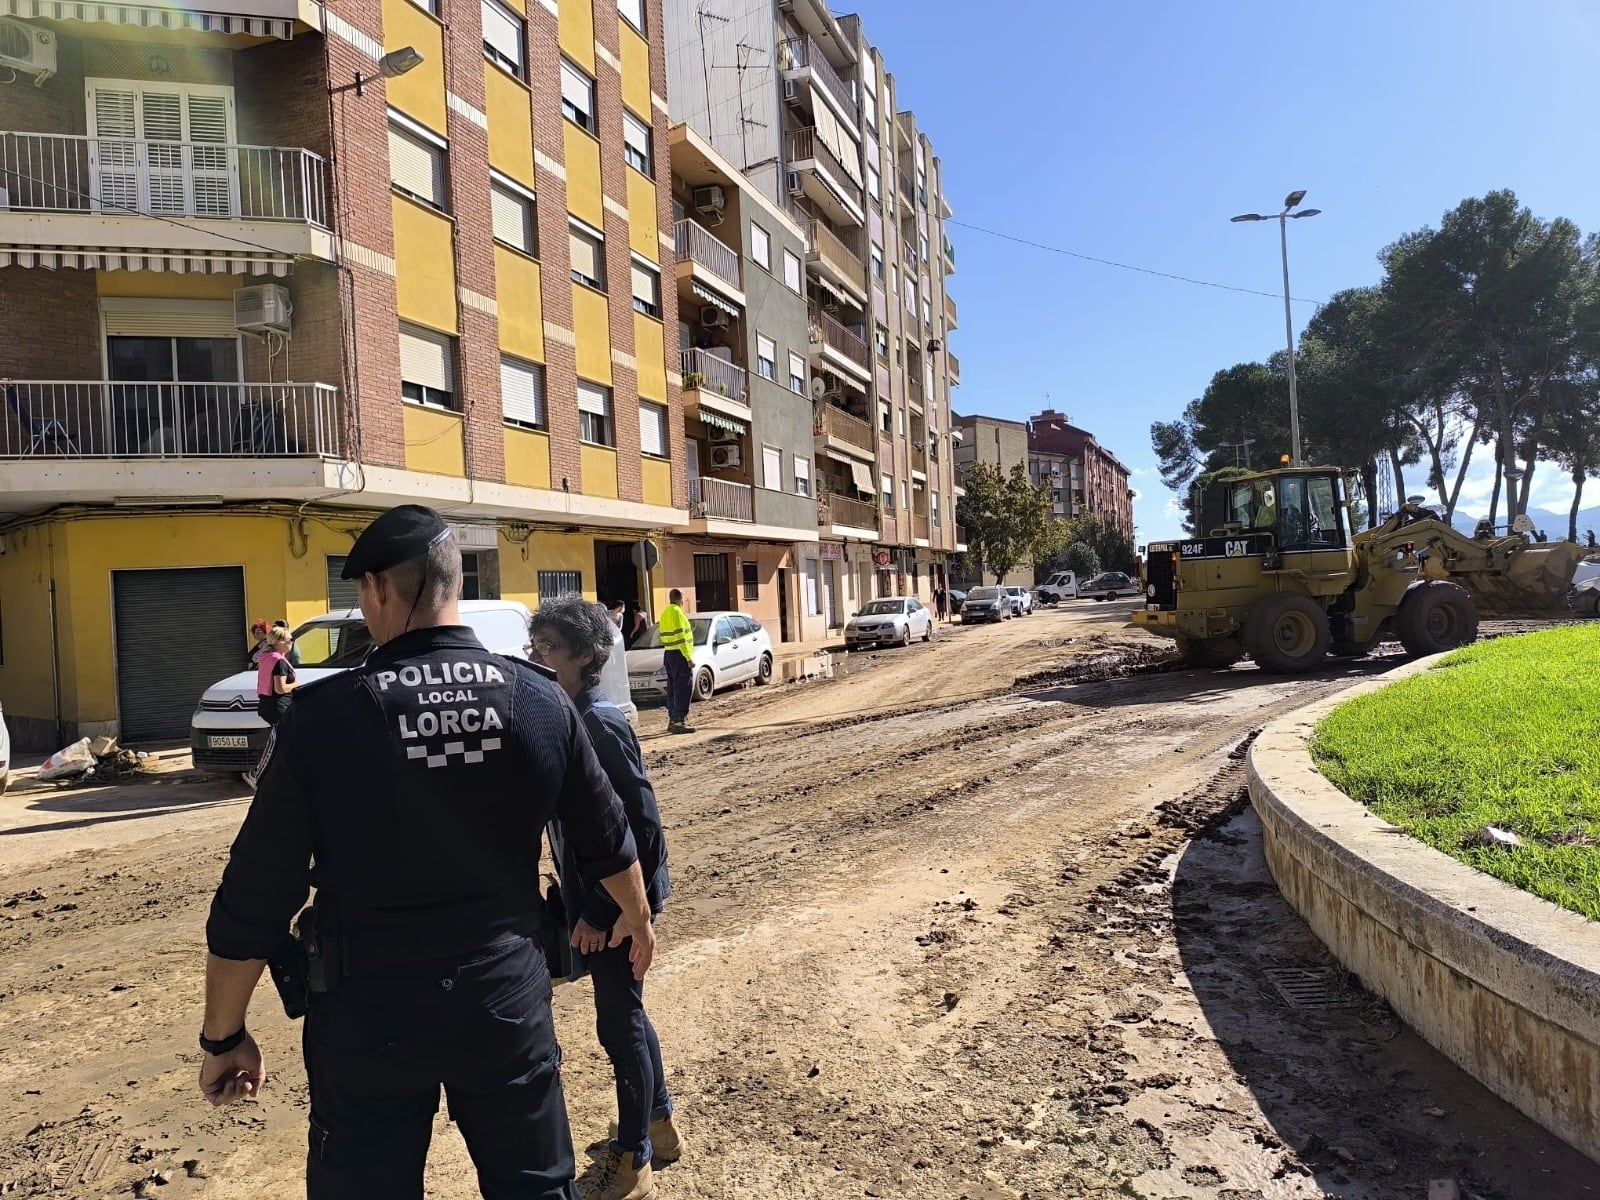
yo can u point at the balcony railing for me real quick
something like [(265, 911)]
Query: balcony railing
[(803, 52), (72, 419), (46, 172), (914, 391), (827, 331), (834, 509), (824, 244), (695, 243), (919, 459), (919, 526), (706, 372), (908, 190), (955, 368), (950, 311), (719, 500), (805, 144), (833, 421)]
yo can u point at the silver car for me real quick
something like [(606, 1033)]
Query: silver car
[(986, 604), (895, 621)]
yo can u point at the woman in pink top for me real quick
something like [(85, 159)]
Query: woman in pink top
[(275, 677)]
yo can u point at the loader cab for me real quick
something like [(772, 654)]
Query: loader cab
[(1302, 511)]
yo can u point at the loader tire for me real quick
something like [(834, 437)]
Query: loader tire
[(1436, 616), (1287, 633), (1209, 652)]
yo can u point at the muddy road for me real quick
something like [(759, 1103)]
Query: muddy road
[(981, 919)]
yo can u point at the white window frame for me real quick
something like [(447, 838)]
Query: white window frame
[(766, 357), (420, 139), (802, 476), (432, 388), (797, 373), (880, 342), (869, 108), (505, 192), (875, 184), (632, 11), (886, 483), (594, 405), (792, 274), (653, 416), (514, 64), (581, 229), (649, 305), (522, 393), (639, 148), (772, 468), (573, 81), (876, 257), (760, 246)]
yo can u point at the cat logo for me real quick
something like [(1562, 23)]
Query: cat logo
[(1235, 549)]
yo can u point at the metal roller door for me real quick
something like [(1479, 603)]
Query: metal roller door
[(176, 633)]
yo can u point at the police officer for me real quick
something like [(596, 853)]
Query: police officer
[(419, 785)]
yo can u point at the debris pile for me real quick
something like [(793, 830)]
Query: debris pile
[(99, 760)]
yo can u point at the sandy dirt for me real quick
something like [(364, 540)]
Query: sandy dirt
[(983, 919)]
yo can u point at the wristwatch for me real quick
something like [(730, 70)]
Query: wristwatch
[(221, 1045)]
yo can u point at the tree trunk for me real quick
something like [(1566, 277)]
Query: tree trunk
[(1526, 484), (1494, 498), (1461, 472), (1399, 473), (1369, 484), (1578, 478)]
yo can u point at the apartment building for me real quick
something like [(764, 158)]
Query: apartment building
[(1083, 476), (802, 104), (1003, 445), (297, 265), (743, 339)]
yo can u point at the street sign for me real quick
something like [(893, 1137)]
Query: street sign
[(646, 555)]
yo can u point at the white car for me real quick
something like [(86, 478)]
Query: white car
[(1021, 600), (729, 648), (1063, 585), (895, 620), (227, 737)]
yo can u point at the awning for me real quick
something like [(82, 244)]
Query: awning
[(718, 421), (179, 262), (862, 474), (710, 297), (838, 293), (150, 17)]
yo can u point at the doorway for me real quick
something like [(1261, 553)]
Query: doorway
[(785, 618), (615, 575), (156, 690), (711, 593), (173, 395)]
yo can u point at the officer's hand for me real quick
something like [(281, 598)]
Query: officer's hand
[(586, 939), (237, 1075), (643, 950)]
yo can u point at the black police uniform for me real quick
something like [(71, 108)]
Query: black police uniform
[(420, 785)]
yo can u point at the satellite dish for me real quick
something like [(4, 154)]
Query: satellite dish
[(819, 387)]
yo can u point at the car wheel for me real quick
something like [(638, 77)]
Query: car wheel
[(705, 684), (927, 632), (1594, 605), (764, 671)]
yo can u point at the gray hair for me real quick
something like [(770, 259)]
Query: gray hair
[(583, 626), (433, 579)]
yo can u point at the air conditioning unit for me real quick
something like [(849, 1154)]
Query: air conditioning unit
[(712, 317), (723, 436), (796, 188), (726, 456), (791, 91), (710, 200), (264, 308), (29, 48)]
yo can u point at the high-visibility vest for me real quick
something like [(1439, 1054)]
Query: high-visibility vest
[(676, 633)]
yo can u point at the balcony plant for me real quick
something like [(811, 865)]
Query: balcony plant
[(693, 380)]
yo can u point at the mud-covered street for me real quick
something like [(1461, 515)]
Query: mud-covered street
[(983, 919)]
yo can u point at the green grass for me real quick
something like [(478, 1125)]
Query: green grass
[(1505, 733)]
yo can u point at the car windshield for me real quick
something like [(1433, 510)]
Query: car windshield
[(984, 593), (650, 639), (331, 644), (882, 608), (1014, 591)]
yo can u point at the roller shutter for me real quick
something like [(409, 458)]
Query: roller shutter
[(341, 592), (176, 633)]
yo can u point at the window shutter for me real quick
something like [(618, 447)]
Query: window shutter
[(653, 430), (503, 32), (646, 284), (415, 166), (636, 134), (772, 468), (513, 219), (522, 392), (592, 399), (587, 256), (425, 359)]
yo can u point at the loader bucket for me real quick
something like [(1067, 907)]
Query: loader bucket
[(1535, 581)]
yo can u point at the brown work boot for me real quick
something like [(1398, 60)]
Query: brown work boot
[(620, 1180), (666, 1143)]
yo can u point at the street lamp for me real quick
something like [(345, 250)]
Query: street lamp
[(391, 66), (1290, 201)]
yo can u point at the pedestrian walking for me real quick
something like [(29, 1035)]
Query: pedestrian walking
[(938, 602), (275, 683), (677, 654), (420, 784), (573, 638)]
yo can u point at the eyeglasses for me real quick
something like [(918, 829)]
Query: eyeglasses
[(545, 648)]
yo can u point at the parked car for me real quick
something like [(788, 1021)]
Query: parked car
[(5, 753), (955, 600), (729, 648), (985, 604), (895, 620), (1021, 600), (1109, 585), (1063, 585), (1581, 597), (227, 737)]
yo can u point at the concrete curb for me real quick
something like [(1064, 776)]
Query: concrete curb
[(1505, 984)]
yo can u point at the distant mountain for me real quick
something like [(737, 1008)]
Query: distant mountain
[(1553, 523)]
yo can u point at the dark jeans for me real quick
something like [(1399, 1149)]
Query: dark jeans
[(379, 1048), (630, 1043), (680, 681)]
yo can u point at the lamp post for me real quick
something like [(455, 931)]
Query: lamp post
[(1291, 201), (391, 66)]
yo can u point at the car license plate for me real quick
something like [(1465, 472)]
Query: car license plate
[(228, 741)]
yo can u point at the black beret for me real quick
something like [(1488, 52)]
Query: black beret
[(398, 536)]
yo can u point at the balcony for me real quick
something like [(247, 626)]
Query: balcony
[(708, 263), (949, 255), (954, 365), (838, 345), (950, 321), (846, 432), (714, 383), (961, 540), (841, 512), (803, 59), (59, 419), (919, 459), (836, 258), (93, 199), (914, 392), (719, 500), (919, 527), (825, 179)]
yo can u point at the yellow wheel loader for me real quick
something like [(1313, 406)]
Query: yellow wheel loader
[(1280, 576)]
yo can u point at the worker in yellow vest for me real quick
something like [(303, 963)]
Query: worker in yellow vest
[(677, 645)]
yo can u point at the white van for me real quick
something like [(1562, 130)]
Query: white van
[(1063, 585), (227, 737)]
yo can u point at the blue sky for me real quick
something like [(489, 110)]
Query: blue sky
[(1134, 131)]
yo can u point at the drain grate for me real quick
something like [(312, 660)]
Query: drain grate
[(1307, 987)]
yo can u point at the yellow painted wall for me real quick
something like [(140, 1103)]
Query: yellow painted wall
[(517, 288), (599, 466), (657, 480), (419, 93), (577, 32), (425, 269), (25, 627), (519, 576), (527, 457), (433, 441), (644, 236), (167, 285), (510, 125), (635, 72), (584, 196), (648, 346), (591, 323)]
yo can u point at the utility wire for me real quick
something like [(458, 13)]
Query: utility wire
[(1107, 262)]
